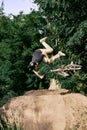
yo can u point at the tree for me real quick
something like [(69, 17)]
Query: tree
[(2, 8), (67, 22), (19, 36)]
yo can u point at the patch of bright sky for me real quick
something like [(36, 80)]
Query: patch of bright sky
[(16, 6)]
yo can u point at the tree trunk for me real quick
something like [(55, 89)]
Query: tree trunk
[(54, 84)]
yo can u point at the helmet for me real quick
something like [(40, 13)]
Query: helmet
[(31, 66)]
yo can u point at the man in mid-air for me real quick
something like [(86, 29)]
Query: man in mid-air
[(42, 55)]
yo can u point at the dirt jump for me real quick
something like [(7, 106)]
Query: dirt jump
[(46, 110)]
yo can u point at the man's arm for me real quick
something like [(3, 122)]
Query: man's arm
[(45, 54), (40, 76), (46, 58)]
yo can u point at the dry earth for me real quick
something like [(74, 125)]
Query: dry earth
[(47, 110)]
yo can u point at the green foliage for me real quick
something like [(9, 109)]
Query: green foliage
[(68, 22), (2, 8), (19, 37), (65, 24), (5, 125)]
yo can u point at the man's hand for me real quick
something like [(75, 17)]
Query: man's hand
[(41, 76)]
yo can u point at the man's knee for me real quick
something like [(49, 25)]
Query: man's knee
[(50, 50)]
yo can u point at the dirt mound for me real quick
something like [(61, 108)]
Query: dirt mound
[(47, 110)]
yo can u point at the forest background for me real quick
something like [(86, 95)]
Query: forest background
[(65, 25)]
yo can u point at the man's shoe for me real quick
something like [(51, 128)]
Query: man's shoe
[(43, 39), (61, 53)]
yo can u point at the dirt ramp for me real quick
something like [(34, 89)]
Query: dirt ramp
[(47, 110)]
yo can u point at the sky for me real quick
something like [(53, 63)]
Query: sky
[(16, 6)]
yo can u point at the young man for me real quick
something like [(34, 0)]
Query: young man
[(42, 54)]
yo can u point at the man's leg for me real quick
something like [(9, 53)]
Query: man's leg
[(58, 55), (50, 60), (48, 48)]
